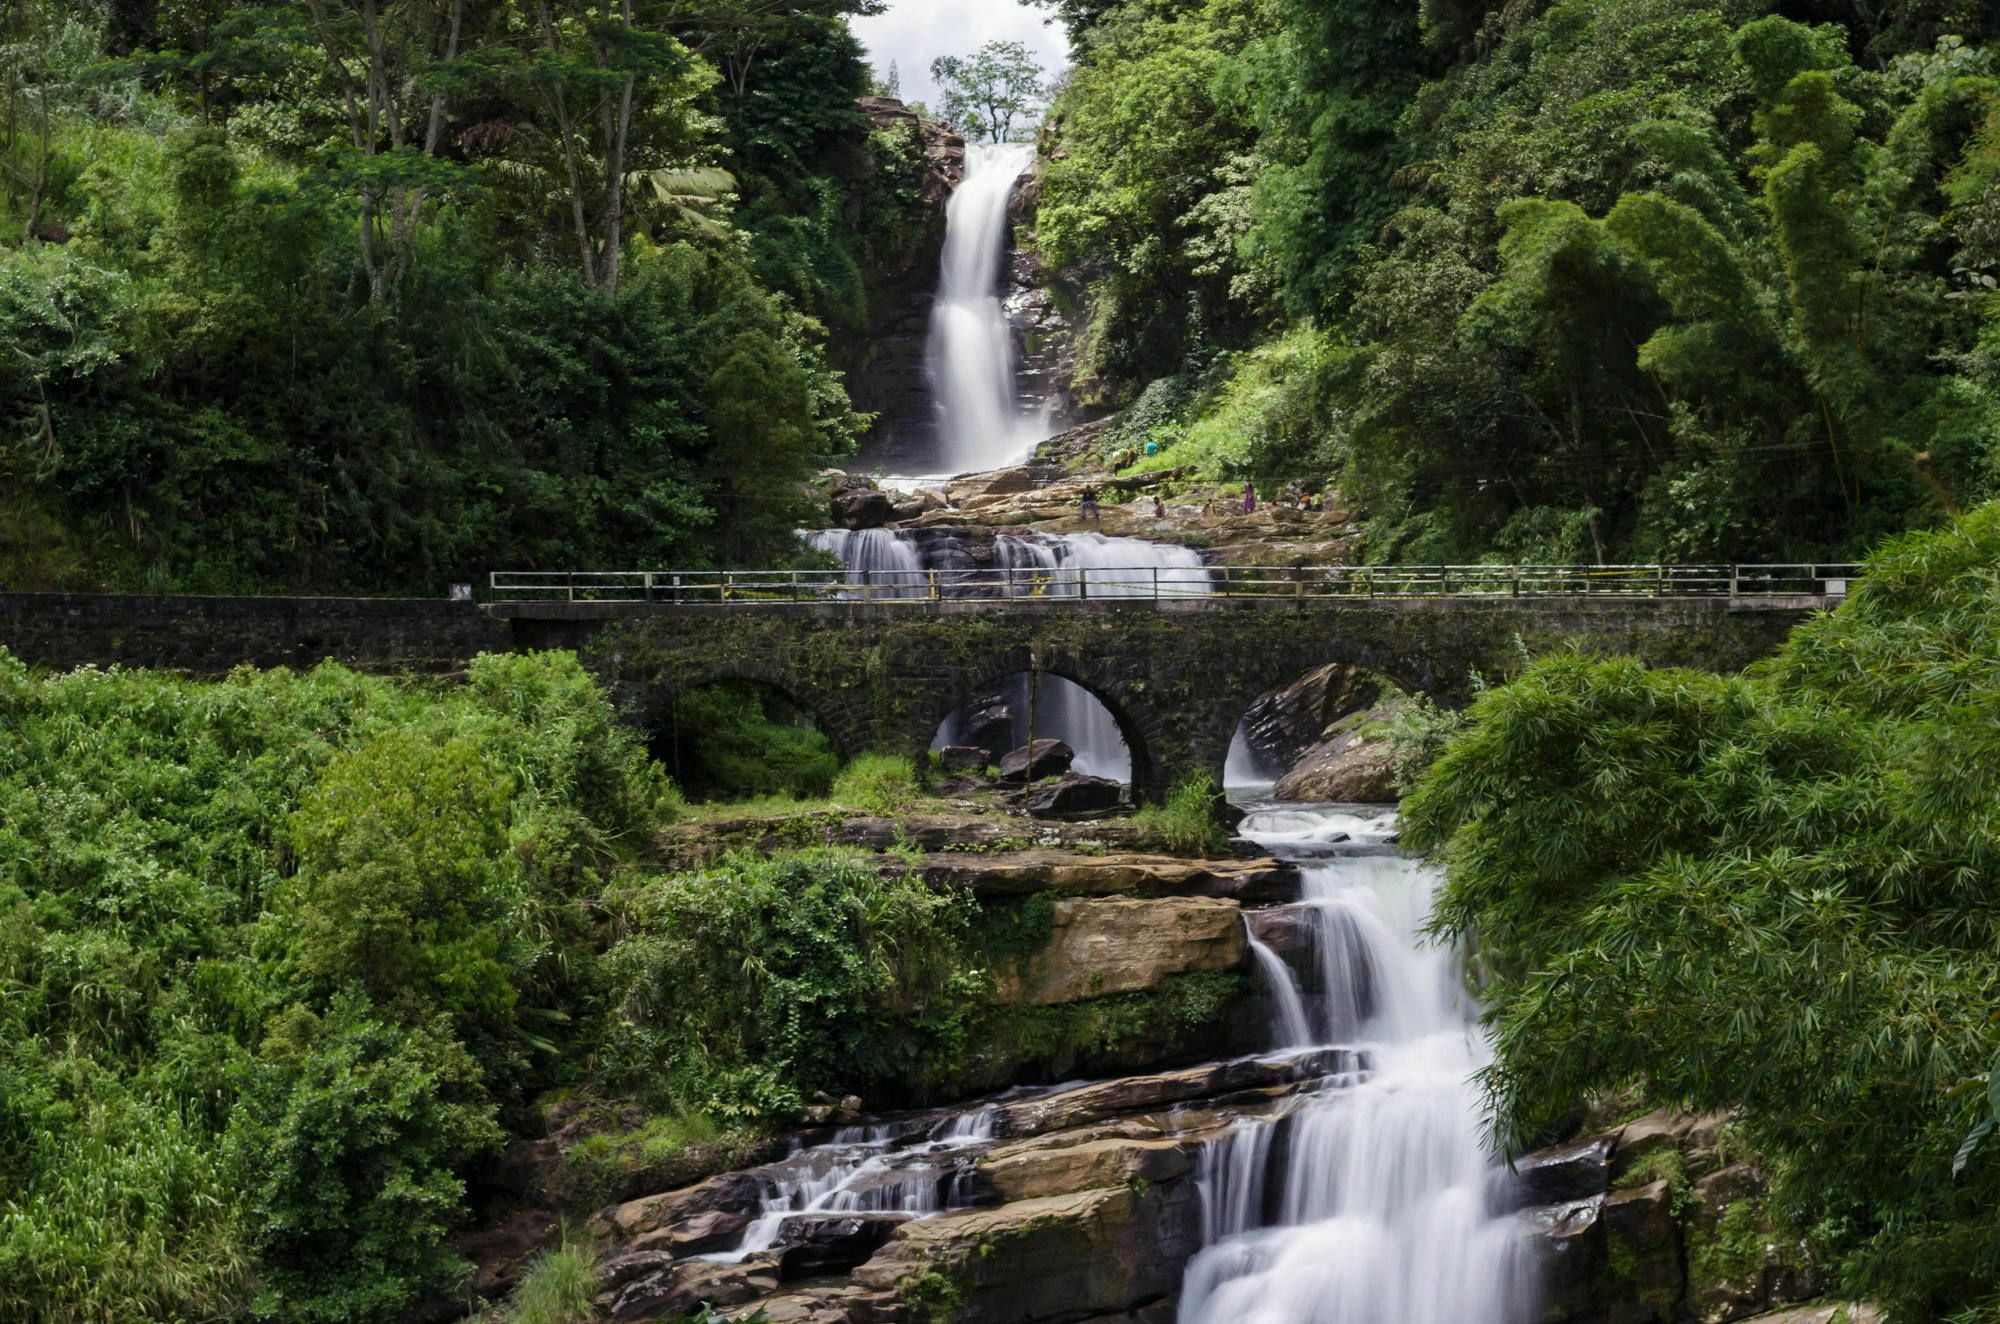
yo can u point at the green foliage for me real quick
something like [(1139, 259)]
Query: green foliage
[(992, 94), (1157, 163), (558, 1288), (278, 950), (1764, 892), (734, 741), (250, 345), (352, 1133), (878, 783), (1185, 821), (744, 988), (1593, 280)]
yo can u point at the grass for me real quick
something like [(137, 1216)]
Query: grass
[(558, 1288), (1185, 822), (870, 784), (879, 783)]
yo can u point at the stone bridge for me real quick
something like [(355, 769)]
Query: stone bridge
[(1176, 675)]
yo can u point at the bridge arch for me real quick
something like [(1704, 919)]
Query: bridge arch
[(657, 703), (1138, 725)]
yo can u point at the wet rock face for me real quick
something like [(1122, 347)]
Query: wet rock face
[(1281, 727), (1355, 763), (1074, 796), (885, 363), (1040, 305), (1643, 1226), (1036, 760)]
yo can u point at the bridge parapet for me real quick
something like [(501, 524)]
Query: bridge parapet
[(1176, 674)]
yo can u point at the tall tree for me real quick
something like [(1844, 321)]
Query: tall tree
[(986, 92)]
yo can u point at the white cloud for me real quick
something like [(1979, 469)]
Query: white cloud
[(912, 33)]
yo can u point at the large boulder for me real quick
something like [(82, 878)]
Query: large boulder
[(859, 504), (962, 758), (814, 1245), (1098, 947), (1074, 796), (1051, 1165), (1064, 1257), (1283, 725), (1036, 760), (1355, 764)]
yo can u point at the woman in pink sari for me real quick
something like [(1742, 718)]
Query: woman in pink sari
[(1249, 498)]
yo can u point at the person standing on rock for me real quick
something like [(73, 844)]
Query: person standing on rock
[(1089, 506), (1249, 498), (1159, 507)]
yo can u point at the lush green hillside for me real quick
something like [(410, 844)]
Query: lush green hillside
[(290, 298), (1555, 281), (287, 957), (1773, 892)]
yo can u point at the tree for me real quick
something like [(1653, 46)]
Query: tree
[(987, 91)]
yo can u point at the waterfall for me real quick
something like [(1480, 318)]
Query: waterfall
[(1036, 565), (877, 557), (1374, 1208), (869, 1169), (971, 348)]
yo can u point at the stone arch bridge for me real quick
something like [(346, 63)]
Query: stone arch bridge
[(1176, 675)]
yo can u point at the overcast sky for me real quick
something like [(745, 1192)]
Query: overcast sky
[(915, 32)]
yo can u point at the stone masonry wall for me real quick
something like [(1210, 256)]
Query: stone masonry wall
[(209, 635)]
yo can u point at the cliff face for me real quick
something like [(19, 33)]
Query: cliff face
[(885, 364), (1044, 307)]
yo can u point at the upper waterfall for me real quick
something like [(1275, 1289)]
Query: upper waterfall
[(971, 352)]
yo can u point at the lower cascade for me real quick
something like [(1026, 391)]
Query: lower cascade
[(1372, 1200)]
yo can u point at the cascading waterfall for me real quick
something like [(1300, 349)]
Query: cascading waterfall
[(971, 348), (868, 1169), (878, 558), (1375, 1207)]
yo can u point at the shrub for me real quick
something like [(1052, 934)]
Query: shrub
[(742, 989), (1185, 822), (558, 1288), (878, 783)]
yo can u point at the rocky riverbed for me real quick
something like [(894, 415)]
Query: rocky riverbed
[(1076, 1188)]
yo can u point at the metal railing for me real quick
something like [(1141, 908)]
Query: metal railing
[(1169, 583)]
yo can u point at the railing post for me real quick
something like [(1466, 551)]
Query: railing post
[(677, 590), (1156, 585), (1659, 581), (1082, 582), (1368, 580), (649, 586), (932, 574), (728, 578), (1735, 572), (1298, 583), (795, 586), (569, 578)]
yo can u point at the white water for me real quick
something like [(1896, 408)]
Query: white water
[(863, 1169), (1037, 565), (876, 557), (1375, 1210), (971, 349)]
